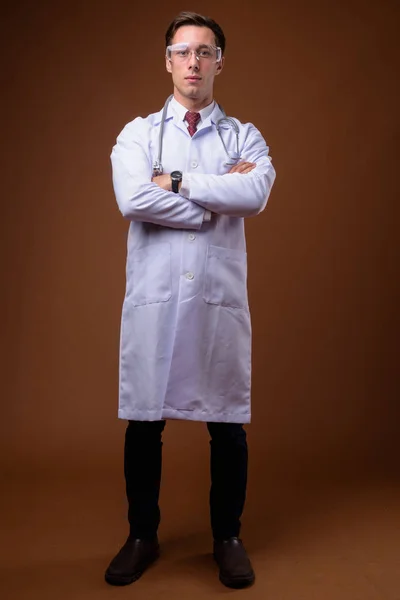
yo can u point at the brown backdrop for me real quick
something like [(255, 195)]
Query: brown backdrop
[(319, 80)]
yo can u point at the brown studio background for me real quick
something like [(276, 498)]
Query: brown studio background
[(319, 81)]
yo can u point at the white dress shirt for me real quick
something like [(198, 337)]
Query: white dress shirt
[(181, 111)]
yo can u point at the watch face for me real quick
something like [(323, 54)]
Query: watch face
[(176, 175)]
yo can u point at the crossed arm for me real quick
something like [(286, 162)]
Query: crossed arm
[(164, 181), (242, 192)]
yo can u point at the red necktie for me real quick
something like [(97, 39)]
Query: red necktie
[(192, 118)]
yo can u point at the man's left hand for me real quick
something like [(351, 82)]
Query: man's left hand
[(163, 181)]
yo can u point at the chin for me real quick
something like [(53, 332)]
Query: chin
[(191, 92), (194, 88)]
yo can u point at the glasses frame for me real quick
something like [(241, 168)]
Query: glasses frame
[(184, 46)]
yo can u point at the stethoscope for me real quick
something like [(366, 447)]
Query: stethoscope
[(232, 159)]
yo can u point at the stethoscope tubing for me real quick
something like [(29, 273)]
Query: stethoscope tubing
[(157, 166)]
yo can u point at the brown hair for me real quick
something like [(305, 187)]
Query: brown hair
[(191, 18)]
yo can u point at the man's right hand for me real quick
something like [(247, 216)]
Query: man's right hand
[(243, 167)]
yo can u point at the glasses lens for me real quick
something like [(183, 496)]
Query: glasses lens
[(181, 52)]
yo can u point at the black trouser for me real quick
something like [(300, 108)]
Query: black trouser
[(143, 457)]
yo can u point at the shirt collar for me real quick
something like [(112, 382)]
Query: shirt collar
[(181, 111)]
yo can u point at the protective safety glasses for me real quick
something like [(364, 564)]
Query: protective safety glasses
[(181, 52)]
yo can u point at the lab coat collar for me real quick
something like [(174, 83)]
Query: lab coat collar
[(181, 110), (215, 116), (176, 112)]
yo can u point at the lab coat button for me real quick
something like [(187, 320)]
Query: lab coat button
[(189, 276), (192, 237), (194, 164)]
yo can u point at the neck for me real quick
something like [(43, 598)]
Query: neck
[(192, 104)]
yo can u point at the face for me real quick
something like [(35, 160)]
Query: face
[(194, 79)]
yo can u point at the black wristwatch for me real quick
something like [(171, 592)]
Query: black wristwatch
[(176, 178)]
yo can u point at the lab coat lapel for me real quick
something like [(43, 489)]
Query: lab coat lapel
[(211, 119), (204, 125), (176, 119)]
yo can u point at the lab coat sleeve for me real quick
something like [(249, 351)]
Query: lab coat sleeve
[(138, 198), (235, 194)]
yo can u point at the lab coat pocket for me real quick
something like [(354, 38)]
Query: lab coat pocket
[(225, 282), (149, 279)]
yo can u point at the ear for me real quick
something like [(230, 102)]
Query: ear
[(220, 66), (168, 65)]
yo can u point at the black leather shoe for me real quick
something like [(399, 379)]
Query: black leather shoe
[(235, 570), (131, 561)]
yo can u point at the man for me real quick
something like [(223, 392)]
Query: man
[(185, 334)]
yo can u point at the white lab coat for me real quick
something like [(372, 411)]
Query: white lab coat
[(185, 350)]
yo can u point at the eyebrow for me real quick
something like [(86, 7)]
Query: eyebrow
[(192, 44)]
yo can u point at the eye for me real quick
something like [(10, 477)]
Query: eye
[(205, 53), (182, 53)]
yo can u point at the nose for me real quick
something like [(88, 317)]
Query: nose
[(193, 61)]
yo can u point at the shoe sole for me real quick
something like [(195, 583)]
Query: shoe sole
[(237, 583), (121, 581)]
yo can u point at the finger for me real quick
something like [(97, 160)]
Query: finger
[(246, 166), (238, 166)]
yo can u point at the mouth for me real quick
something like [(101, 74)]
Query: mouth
[(193, 78)]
